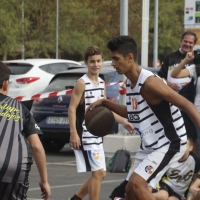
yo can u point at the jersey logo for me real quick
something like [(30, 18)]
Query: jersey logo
[(149, 169), (134, 117), (37, 127), (175, 174)]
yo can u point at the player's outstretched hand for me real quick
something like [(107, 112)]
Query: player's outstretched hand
[(93, 105), (45, 189)]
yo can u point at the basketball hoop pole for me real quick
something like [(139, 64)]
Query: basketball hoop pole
[(123, 31)]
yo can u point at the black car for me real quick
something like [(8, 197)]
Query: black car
[(51, 114)]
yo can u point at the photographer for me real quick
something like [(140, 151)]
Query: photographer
[(191, 71)]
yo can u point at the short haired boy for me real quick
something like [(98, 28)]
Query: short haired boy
[(88, 148)]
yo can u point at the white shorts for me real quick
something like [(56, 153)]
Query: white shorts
[(90, 160), (152, 166)]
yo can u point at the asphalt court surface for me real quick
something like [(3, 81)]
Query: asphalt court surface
[(65, 180)]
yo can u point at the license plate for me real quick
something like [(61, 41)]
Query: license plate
[(57, 120)]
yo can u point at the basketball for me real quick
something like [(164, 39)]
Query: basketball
[(100, 121)]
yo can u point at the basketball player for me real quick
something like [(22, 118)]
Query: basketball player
[(157, 119), (88, 148), (18, 141)]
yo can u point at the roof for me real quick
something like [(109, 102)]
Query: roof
[(41, 61)]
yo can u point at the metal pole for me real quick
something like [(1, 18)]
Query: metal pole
[(57, 16), (155, 57), (23, 49), (123, 31), (145, 33)]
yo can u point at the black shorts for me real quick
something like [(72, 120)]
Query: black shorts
[(171, 192), (13, 191)]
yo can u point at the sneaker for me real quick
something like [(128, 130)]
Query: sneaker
[(119, 198)]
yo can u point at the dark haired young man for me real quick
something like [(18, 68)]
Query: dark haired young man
[(156, 118), (18, 141), (88, 148)]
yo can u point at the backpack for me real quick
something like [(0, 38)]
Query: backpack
[(120, 162)]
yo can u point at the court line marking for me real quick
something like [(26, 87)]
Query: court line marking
[(78, 184)]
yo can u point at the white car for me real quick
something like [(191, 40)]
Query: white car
[(31, 76)]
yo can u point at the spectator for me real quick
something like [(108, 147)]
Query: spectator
[(192, 71), (18, 140), (188, 40)]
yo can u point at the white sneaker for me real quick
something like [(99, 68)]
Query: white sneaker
[(119, 198)]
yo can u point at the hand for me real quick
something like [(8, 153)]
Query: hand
[(129, 127), (174, 86), (189, 56), (45, 189), (75, 141), (93, 105), (194, 191)]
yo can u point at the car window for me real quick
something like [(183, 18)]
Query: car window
[(44, 68), (18, 68), (63, 82), (72, 64), (57, 67)]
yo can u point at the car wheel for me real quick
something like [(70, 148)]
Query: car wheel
[(52, 145)]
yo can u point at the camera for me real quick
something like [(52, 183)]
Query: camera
[(197, 56)]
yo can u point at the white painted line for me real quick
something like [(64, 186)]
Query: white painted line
[(79, 184)]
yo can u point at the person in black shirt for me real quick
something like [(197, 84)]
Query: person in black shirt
[(18, 142), (188, 40)]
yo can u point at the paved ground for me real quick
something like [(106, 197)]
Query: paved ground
[(64, 179)]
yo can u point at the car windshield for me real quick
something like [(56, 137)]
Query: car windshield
[(18, 68), (63, 82), (67, 81)]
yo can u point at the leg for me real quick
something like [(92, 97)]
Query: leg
[(161, 195), (195, 147), (94, 185), (136, 189), (173, 198)]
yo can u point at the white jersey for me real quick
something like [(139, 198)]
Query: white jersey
[(159, 126), (92, 93), (180, 175)]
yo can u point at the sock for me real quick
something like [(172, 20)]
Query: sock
[(75, 197)]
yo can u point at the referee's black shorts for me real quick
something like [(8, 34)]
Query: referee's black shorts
[(14, 191)]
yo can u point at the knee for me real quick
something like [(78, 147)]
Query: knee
[(100, 174), (131, 187)]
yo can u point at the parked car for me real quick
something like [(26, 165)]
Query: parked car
[(51, 114), (31, 76)]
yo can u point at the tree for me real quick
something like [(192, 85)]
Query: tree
[(10, 32)]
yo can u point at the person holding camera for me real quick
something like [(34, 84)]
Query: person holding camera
[(192, 71)]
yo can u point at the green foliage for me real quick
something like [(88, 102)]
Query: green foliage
[(82, 23)]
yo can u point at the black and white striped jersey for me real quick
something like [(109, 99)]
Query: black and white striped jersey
[(92, 93), (16, 124), (159, 126), (180, 175)]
